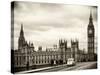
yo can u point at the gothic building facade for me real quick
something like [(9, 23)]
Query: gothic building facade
[(27, 55)]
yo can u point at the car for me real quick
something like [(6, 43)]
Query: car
[(71, 62)]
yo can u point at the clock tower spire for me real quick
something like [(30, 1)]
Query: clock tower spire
[(90, 18), (91, 35)]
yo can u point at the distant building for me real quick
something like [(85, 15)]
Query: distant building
[(75, 49)]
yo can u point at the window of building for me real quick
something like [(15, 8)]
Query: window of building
[(48, 61), (42, 61), (39, 61)]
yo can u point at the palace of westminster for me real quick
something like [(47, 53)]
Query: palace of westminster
[(27, 56)]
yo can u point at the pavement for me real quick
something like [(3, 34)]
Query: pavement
[(64, 67), (41, 69)]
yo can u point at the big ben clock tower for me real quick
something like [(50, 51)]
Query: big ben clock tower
[(91, 35)]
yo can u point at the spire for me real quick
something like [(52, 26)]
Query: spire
[(22, 27), (21, 40), (90, 18), (21, 32)]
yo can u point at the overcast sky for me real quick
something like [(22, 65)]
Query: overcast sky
[(44, 24)]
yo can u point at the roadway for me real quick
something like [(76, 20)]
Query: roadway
[(78, 66)]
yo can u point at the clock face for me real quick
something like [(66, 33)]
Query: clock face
[(90, 31)]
